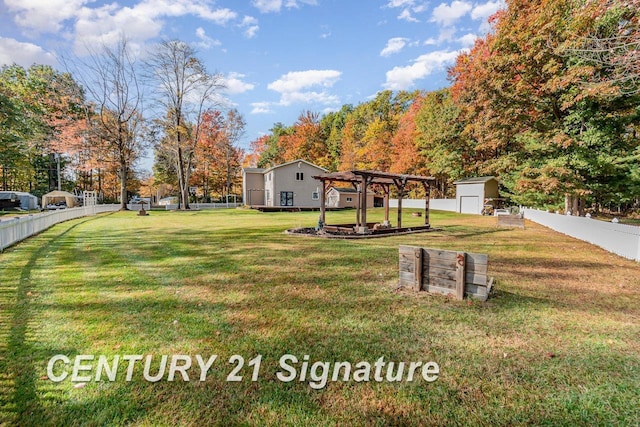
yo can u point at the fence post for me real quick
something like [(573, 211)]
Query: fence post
[(460, 274)]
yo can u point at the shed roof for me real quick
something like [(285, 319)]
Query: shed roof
[(477, 180), (253, 170)]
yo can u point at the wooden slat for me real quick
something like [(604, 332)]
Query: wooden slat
[(439, 290), (440, 282), (405, 266), (475, 262), (475, 292), (476, 279)]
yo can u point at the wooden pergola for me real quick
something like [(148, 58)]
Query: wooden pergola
[(362, 180)]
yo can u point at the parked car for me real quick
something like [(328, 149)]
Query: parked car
[(57, 205)]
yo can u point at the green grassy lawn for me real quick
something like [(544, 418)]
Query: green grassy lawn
[(557, 344)]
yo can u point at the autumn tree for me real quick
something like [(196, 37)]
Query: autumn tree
[(405, 155), (184, 91), (218, 156), (305, 141), (112, 82), (42, 119), (532, 118)]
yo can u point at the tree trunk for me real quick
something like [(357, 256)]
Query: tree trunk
[(182, 181), (123, 182)]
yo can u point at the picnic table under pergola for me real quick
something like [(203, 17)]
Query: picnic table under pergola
[(362, 180)]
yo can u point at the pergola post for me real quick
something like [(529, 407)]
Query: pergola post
[(357, 188), (323, 201), (400, 184), (400, 195), (427, 192), (363, 207), (386, 206), (363, 229)]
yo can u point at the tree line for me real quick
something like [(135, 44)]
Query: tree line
[(87, 129), (548, 102)]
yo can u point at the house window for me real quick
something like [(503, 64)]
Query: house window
[(349, 199), (315, 196), (299, 176)]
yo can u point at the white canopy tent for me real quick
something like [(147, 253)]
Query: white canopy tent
[(58, 196)]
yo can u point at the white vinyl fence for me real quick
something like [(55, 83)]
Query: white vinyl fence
[(621, 239), (203, 206), (435, 204), (13, 230)]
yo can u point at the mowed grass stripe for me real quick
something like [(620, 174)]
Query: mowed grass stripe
[(557, 344)]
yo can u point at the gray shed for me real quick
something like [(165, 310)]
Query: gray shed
[(27, 200), (471, 193)]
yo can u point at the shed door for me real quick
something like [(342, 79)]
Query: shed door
[(470, 204)]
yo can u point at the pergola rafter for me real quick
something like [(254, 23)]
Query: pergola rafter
[(362, 180)]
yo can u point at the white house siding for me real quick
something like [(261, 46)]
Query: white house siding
[(284, 180)]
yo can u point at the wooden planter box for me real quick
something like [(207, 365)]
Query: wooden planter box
[(516, 221), (445, 272)]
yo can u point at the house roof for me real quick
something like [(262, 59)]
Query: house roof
[(253, 170), (477, 180), (292, 162)]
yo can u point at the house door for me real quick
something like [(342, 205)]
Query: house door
[(286, 198)]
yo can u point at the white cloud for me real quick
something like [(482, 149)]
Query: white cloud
[(309, 97), (296, 87), (205, 41), (24, 54), (261, 108), (106, 24), (468, 40), (400, 3), (394, 45), (448, 14), (251, 31), (250, 25), (268, 6), (405, 15), (235, 85), (403, 78), (485, 10), (44, 15), (297, 80)]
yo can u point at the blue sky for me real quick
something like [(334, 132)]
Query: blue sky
[(278, 57)]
